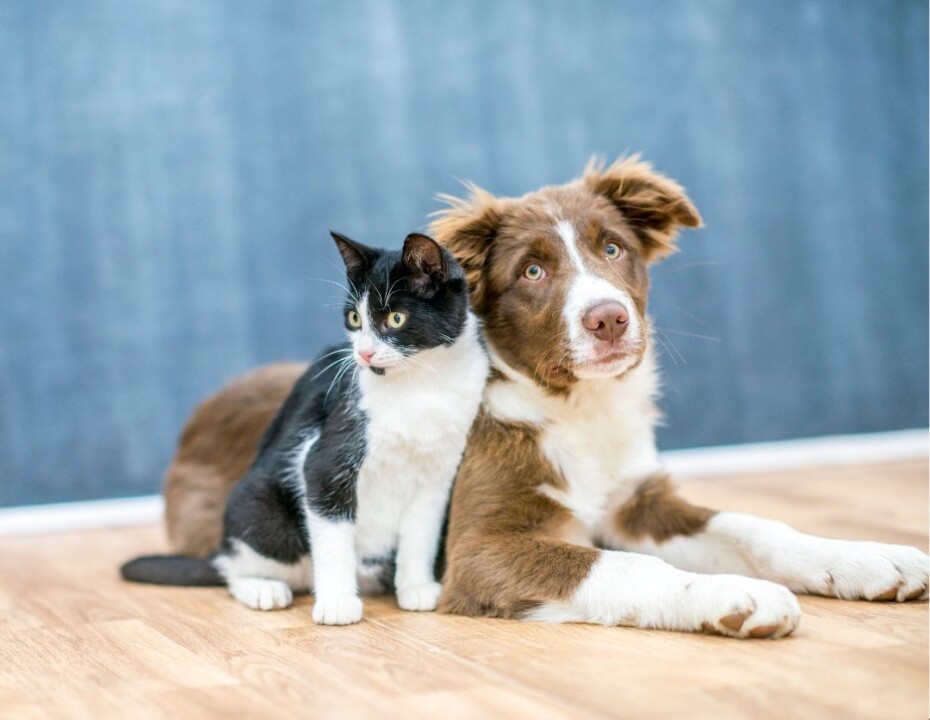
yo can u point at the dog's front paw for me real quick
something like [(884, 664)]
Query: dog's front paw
[(741, 607), (339, 610), (875, 571), (419, 597)]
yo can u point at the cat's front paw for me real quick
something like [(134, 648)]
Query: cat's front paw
[(340, 610), (419, 597), (875, 571)]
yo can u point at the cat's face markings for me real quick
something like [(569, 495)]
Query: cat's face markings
[(401, 302), (371, 347)]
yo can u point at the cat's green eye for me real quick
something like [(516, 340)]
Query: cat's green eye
[(613, 251), (355, 320), (396, 319)]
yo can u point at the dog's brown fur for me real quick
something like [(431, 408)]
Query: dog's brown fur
[(507, 548), (501, 526), (657, 511), (216, 448)]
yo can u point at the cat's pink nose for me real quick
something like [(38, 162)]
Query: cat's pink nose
[(366, 355)]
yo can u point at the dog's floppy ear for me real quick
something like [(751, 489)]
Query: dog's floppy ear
[(426, 263), (655, 206), (467, 229), (357, 257)]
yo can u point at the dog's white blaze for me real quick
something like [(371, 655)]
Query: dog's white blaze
[(585, 291), (566, 231)]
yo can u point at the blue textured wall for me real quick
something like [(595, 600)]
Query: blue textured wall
[(168, 171)]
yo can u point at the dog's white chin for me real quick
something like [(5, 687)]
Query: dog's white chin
[(593, 370)]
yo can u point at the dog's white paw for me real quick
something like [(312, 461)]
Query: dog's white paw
[(874, 571), (339, 610), (741, 607), (261, 593), (419, 597)]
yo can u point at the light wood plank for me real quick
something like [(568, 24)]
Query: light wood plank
[(76, 642)]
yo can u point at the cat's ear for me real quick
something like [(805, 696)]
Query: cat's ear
[(357, 257), (425, 261)]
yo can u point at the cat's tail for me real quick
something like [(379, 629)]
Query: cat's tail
[(173, 570)]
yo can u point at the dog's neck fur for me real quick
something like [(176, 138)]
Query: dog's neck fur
[(601, 433)]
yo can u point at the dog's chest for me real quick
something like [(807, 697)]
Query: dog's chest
[(602, 458), (600, 439)]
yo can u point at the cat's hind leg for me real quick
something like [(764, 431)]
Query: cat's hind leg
[(261, 593), (265, 558), (259, 582)]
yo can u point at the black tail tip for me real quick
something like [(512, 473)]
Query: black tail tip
[(176, 570)]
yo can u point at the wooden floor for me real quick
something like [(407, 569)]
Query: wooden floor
[(75, 642)]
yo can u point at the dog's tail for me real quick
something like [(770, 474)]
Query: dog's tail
[(179, 570)]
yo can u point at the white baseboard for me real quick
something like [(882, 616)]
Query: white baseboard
[(699, 462), (86, 515), (816, 452)]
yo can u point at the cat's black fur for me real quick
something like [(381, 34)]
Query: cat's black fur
[(265, 510)]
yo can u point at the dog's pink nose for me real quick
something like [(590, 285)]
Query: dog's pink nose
[(366, 355), (607, 321)]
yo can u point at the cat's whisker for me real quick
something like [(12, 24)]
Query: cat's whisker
[(387, 301), (356, 295), (335, 352), (335, 363), (420, 363), (342, 371), (348, 292), (380, 296)]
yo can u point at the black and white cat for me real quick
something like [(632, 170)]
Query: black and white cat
[(353, 476)]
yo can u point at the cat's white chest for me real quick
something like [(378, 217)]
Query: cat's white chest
[(417, 426)]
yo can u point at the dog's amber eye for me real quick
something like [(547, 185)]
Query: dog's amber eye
[(354, 319), (397, 319), (613, 251), (534, 272)]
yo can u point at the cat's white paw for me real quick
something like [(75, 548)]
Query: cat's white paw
[(261, 593), (875, 571), (339, 610), (741, 607), (419, 597)]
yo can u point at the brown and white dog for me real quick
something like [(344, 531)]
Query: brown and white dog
[(561, 509)]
